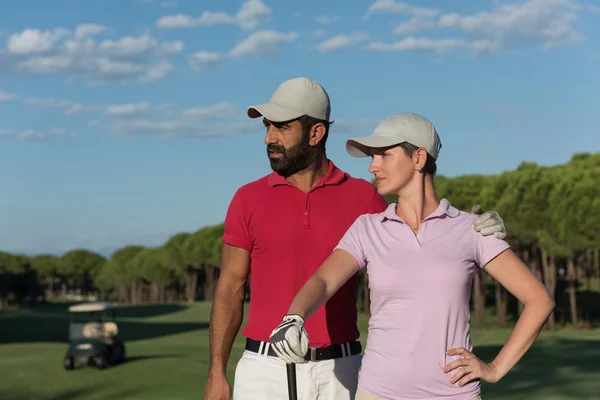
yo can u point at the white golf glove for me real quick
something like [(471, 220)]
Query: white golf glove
[(290, 340), (488, 223)]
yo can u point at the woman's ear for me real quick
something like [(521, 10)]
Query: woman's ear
[(421, 158)]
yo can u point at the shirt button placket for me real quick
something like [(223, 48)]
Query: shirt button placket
[(306, 216)]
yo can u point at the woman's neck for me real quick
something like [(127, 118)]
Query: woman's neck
[(417, 201)]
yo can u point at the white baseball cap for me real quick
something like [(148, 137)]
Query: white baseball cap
[(293, 99), (393, 130)]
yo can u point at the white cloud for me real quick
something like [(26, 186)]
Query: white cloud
[(215, 111), (591, 8), (31, 134), (202, 59), (69, 107), (185, 21), (75, 109), (104, 69), (421, 18), (543, 23), (391, 6), (320, 32), (54, 133), (85, 30), (4, 96), (127, 110), (262, 43), (172, 129), (46, 65), (251, 12), (157, 71), (127, 59), (548, 23), (33, 40), (164, 4), (440, 46), (48, 102), (341, 41), (127, 46), (413, 25), (173, 47), (204, 121), (248, 17)]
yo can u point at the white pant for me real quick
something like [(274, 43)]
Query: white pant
[(260, 377)]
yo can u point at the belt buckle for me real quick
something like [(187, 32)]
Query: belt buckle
[(313, 354)]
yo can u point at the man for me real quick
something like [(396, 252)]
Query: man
[(282, 227)]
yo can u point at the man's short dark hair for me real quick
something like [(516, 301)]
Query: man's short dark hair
[(430, 167)]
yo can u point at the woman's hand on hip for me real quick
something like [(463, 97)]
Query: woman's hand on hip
[(470, 368)]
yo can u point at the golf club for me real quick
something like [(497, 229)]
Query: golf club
[(291, 378)]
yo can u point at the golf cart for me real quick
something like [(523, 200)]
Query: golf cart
[(93, 336)]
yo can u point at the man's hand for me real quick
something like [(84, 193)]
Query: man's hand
[(290, 340), (217, 388), (488, 222)]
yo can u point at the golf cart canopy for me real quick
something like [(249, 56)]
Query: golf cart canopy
[(91, 307), (95, 339)]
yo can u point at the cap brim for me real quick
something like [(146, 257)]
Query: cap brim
[(361, 146), (273, 112)]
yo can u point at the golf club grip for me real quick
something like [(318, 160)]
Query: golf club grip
[(291, 378)]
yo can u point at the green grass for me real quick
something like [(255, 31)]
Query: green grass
[(167, 346)]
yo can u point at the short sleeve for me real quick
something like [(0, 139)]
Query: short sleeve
[(352, 243), (377, 204), (487, 248), (236, 224)]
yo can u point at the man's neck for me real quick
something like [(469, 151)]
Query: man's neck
[(417, 203), (309, 177)]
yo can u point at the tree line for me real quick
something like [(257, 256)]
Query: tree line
[(551, 213)]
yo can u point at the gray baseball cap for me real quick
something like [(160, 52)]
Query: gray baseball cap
[(393, 130), (293, 99)]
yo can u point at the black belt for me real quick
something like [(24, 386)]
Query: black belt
[(314, 354)]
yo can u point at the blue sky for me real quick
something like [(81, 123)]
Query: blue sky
[(124, 122)]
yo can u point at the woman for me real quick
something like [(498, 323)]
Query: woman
[(420, 254)]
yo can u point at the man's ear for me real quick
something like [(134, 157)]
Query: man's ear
[(317, 132)]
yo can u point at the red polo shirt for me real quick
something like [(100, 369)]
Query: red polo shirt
[(289, 234)]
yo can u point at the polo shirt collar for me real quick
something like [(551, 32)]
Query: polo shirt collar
[(334, 176), (444, 208)]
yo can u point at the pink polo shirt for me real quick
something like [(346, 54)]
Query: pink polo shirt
[(420, 290)]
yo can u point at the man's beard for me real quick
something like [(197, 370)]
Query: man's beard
[(294, 159)]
